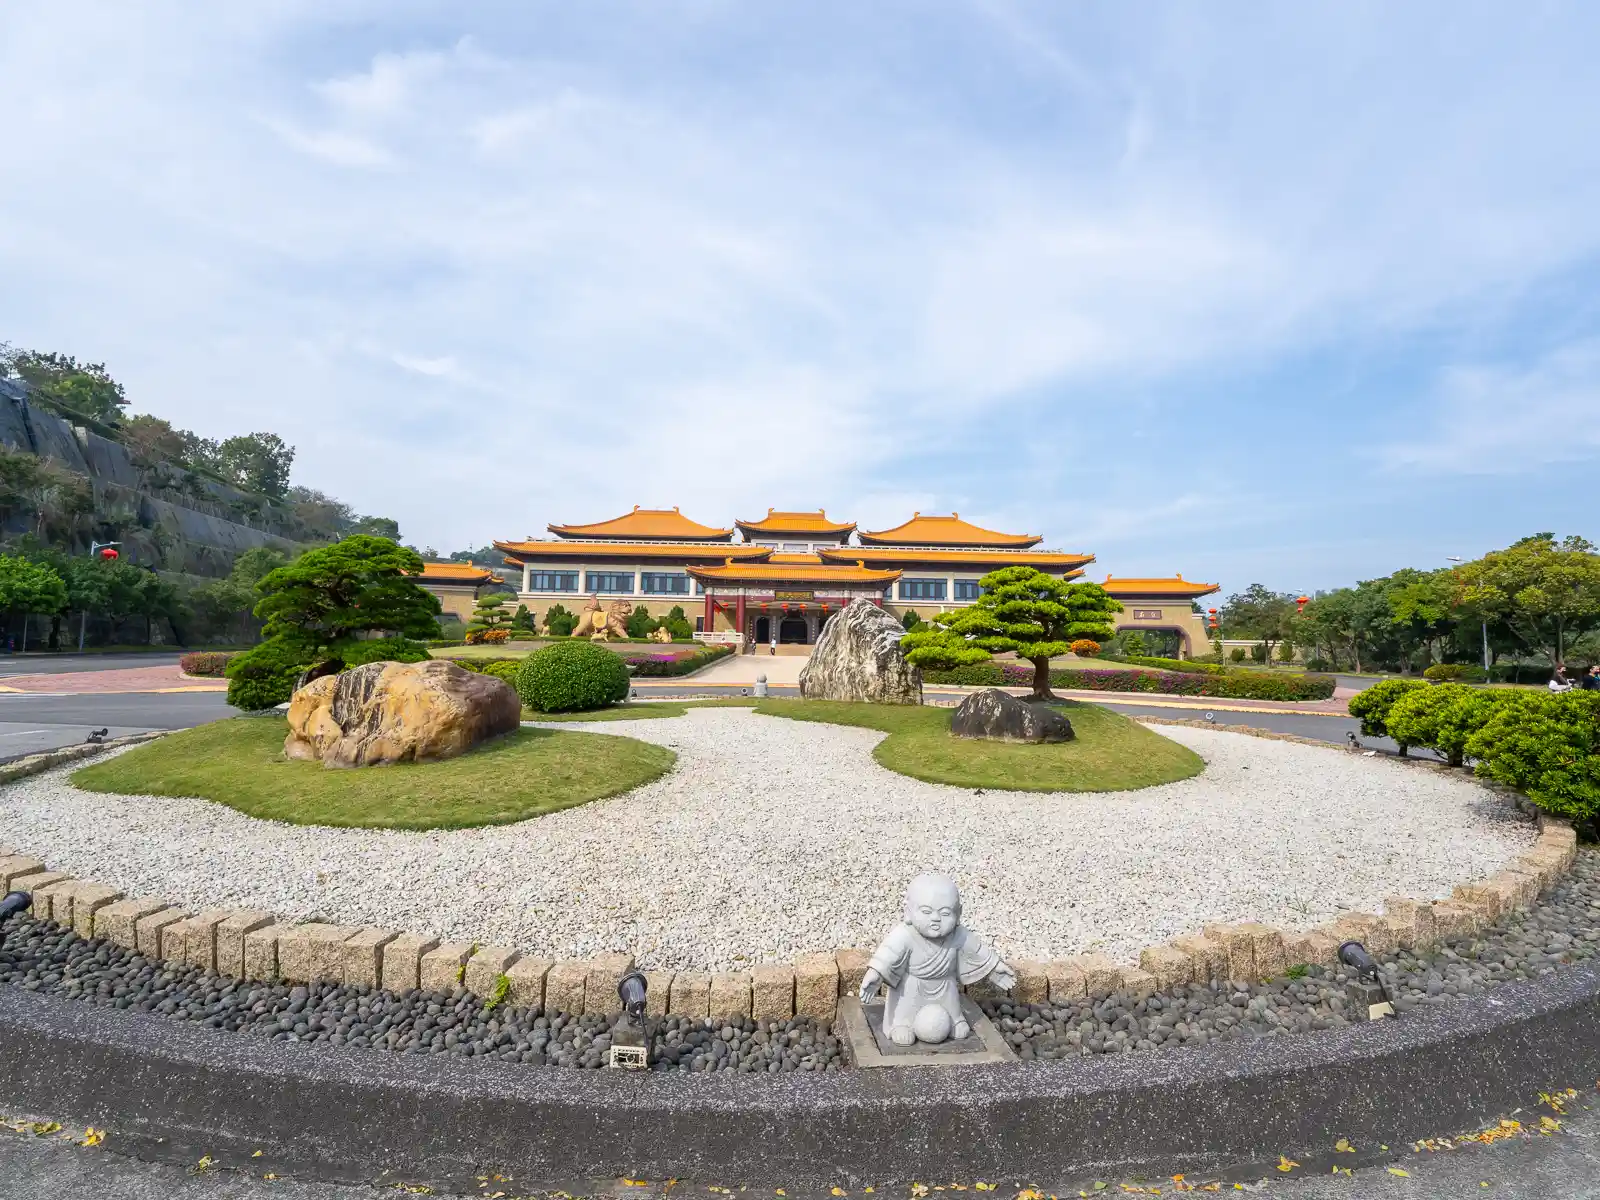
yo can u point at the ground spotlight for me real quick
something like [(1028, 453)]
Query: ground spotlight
[(14, 903), (632, 991), (629, 1048), (1371, 986)]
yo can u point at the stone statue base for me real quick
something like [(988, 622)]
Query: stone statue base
[(862, 1027)]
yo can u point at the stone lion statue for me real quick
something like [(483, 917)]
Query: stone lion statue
[(662, 634), (599, 624)]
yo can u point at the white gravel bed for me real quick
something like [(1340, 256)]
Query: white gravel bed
[(773, 838)]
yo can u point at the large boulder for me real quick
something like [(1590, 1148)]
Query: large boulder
[(1001, 717), (388, 712), (858, 657)]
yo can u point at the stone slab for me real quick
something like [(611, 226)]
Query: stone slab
[(772, 993), (444, 968), (852, 965), (87, 900), (46, 889), (486, 966), (564, 986), (816, 986), (525, 978), (600, 985), (402, 961), (862, 1029), (115, 922), (362, 953), (1101, 976), (150, 932), (200, 938), (260, 953), (16, 867), (314, 951), (657, 992), (730, 994), (691, 995)]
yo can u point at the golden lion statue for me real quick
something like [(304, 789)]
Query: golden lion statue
[(662, 634), (599, 625)]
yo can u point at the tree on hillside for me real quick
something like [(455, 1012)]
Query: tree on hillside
[(384, 527), (1259, 613), (27, 588), (331, 596), (1020, 609), (62, 383), (1545, 591), (226, 606), (257, 462)]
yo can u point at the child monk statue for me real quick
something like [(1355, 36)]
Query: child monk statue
[(925, 960)]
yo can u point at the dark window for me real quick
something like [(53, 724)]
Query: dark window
[(609, 581), (922, 589), (968, 589), (553, 581), (665, 583), (700, 624)]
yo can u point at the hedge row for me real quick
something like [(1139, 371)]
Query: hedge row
[(658, 665), (1545, 745), (209, 663), (1233, 685)]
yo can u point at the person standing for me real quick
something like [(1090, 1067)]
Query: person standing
[(1591, 679), (774, 650)]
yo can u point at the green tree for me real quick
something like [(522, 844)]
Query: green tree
[(1545, 591), (909, 620), (1019, 609), (559, 622), (384, 527), (62, 383), (522, 619), (677, 623), (29, 587), (1258, 612), (489, 613), (639, 623), (1422, 612), (257, 462), (332, 596)]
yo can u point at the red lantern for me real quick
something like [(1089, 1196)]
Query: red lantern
[(1300, 604), (108, 553)]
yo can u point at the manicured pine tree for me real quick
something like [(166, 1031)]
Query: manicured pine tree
[(1037, 616), (489, 613)]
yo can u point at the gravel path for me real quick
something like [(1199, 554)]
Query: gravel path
[(773, 838)]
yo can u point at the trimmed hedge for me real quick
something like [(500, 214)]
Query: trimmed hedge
[(1547, 746), (572, 676), (1186, 666), (1230, 685), (668, 665), (262, 677), (500, 668), (1442, 717), (211, 664), (1372, 704)]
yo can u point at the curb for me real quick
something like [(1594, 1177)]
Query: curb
[(352, 1115), (34, 764)]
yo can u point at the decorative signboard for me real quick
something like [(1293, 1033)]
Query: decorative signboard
[(802, 595), (1147, 614)]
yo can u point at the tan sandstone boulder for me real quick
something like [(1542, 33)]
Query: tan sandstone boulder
[(387, 712), (858, 657)]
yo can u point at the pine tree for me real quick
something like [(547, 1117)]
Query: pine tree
[(489, 613)]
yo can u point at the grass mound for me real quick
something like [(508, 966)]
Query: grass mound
[(1111, 753), (240, 763)]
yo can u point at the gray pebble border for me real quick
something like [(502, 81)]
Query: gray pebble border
[(41, 956)]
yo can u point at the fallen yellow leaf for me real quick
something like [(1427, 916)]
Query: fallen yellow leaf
[(1343, 1146), (93, 1136), (1285, 1163), (1401, 1171)]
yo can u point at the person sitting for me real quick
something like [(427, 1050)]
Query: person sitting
[(1590, 680), (1558, 679)]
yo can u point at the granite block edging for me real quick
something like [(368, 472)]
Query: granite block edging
[(252, 944)]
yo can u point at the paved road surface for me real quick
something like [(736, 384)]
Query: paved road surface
[(1565, 1165), (29, 724)]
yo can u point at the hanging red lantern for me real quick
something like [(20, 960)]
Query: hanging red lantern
[(108, 553), (1300, 604)]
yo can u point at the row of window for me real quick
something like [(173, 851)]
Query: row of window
[(934, 589), (651, 583), (674, 583)]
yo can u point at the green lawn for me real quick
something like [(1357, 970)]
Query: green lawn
[(240, 763), (1111, 752)]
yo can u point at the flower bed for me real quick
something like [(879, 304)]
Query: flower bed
[(1236, 685), (672, 663)]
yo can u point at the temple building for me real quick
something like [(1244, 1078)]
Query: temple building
[(779, 577), (457, 585)]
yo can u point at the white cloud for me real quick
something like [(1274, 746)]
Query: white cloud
[(1505, 420), (332, 145), (433, 367)]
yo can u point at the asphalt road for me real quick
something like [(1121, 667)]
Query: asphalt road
[(1566, 1165), (32, 723)]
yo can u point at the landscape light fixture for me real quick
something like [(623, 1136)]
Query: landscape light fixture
[(14, 903), (629, 1049), (1371, 986)]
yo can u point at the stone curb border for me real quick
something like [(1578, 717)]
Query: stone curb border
[(35, 764), (173, 1090), (253, 944)]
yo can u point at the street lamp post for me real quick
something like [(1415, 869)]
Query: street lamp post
[(105, 551)]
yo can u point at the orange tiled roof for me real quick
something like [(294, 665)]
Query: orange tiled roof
[(987, 559), (601, 549), (795, 522), (457, 572), (793, 573), (947, 531), (1175, 585), (645, 523), (814, 560)]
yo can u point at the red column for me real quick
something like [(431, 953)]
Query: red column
[(711, 613), (738, 613)]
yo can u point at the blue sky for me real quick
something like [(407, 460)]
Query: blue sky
[(1298, 293)]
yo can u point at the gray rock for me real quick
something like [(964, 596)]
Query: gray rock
[(1001, 717), (858, 657)]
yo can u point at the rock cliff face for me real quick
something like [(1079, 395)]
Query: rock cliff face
[(165, 518), (858, 657), (387, 712)]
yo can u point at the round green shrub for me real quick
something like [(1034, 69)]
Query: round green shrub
[(572, 677), (1372, 704), (263, 677), (391, 649), (1442, 718), (1547, 746), (1441, 672)]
